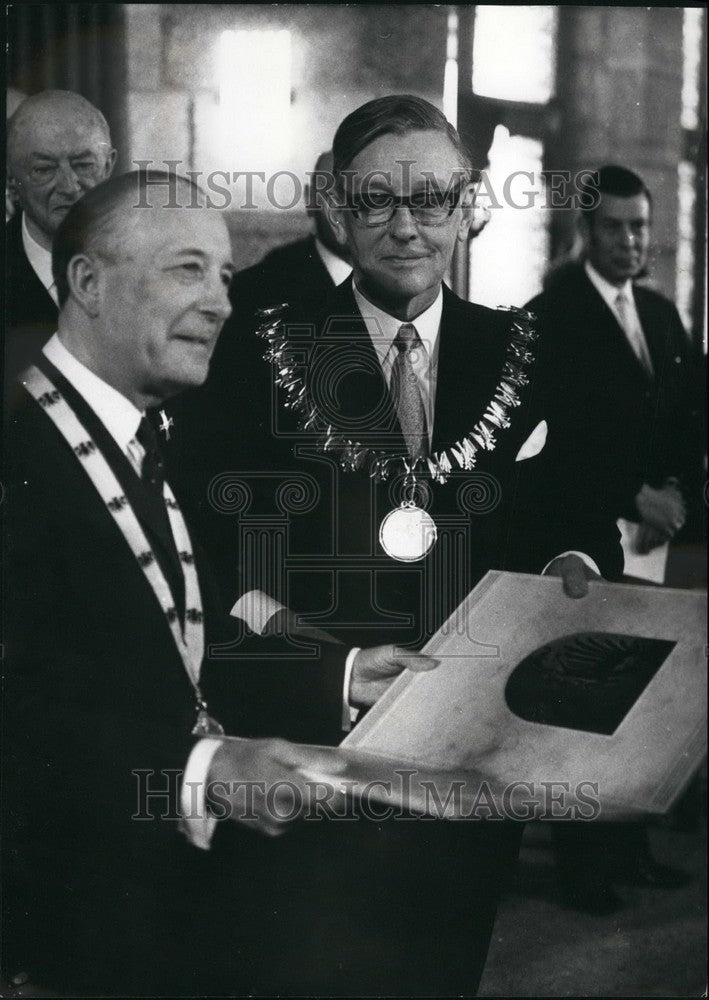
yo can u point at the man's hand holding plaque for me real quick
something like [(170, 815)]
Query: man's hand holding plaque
[(574, 572)]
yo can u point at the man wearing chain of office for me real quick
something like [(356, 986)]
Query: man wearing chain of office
[(415, 420), (404, 432)]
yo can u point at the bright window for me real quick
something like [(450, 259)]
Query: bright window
[(508, 258), (691, 53), (254, 75), (514, 52), (450, 79), (687, 177)]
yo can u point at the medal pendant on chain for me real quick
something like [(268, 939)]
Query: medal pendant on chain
[(408, 533)]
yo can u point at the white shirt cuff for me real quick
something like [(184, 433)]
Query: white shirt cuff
[(256, 609), (349, 714), (582, 555), (195, 822)]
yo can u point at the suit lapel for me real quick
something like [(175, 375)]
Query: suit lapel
[(321, 275), (469, 368), (447, 416), (655, 335), (365, 408), (148, 508), (607, 325), (26, 293)]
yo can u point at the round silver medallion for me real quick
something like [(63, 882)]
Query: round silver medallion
[(408, 533)]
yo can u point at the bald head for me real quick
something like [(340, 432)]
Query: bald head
[(58, 147), (144, 286), (111, 218)]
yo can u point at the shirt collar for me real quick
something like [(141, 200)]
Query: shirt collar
[(338, 269), (608, 292), (383, 328), (39, 258), (118, 415)]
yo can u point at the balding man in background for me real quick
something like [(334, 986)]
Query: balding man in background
[(13, 99), (58, 147)]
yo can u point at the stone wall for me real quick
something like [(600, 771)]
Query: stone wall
[(342, 56), (619, 97)]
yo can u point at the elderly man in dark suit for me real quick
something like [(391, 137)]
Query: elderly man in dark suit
[(58, 147), (416, 420), (114, 716), (400, 396)]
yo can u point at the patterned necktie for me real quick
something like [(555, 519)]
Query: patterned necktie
[(153, 477), (406, 393), (633, 332), (153, 468)]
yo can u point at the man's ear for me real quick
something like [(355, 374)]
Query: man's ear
[(467, 206), (336, 215), (110, 163), (84, 280)]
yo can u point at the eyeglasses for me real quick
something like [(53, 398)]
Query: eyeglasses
[(427, 207)]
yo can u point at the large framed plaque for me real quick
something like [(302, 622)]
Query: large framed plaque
[(534, 687)]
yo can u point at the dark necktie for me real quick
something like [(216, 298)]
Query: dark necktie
[(153, 477), (406, 393), (153, 468)]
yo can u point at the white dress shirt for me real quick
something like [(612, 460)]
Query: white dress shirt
[(338, 269), (40, 260), (383, 328), (630, 323), (118, 415)]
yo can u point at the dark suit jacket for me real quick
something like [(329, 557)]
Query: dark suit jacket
[(290, 273), (504, 514), (266, 490), (323, 524), (30, 311), (635, 428), (94, 900)]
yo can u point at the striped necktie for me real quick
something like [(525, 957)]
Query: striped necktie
[(633, 331), (406, 392)]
